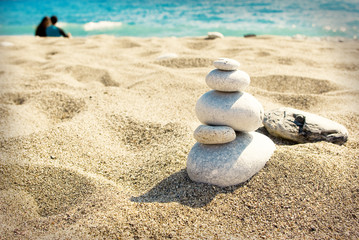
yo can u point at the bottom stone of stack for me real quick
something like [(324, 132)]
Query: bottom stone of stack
[(230, 163)]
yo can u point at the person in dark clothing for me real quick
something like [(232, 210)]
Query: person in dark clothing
[(41, 28), (54, 31)]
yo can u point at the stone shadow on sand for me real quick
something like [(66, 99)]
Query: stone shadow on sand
[(180, 188)]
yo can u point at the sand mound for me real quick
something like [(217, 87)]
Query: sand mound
[(95, 133)]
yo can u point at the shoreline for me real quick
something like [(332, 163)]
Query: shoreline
[(296, 37)]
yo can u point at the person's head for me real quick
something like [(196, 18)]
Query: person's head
[(54, 20), (40, 30), (45, 22)]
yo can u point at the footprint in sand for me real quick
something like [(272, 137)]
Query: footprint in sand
[(45, 190), (143, 139), (25, 113), (90, 75), (50, 54), (59, 106), (136, 134), (263, 54)]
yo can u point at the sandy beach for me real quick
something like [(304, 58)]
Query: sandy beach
[(95, 134)]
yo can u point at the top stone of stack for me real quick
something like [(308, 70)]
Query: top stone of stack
[(226, 77), (226, 64)]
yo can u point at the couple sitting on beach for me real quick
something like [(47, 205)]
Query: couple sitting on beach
[(47, 28)]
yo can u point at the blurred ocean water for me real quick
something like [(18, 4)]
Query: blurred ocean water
[(163, 18)]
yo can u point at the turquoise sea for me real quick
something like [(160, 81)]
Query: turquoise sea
[(163, 18)]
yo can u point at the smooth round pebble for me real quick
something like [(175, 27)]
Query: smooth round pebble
[(227, 81), (231, 163), (214, 35), (226, 64), (214, 134), (238, 110)]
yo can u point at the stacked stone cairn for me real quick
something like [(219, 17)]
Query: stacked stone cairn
[(228, 151)]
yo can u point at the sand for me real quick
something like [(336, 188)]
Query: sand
[(95, 133)]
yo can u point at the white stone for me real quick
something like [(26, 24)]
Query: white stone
[(214, 35), (167, 56), (214, 134), (227, 81), (231, 163), (6, 44), (302, 127), (238, 110), (226, 64)]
